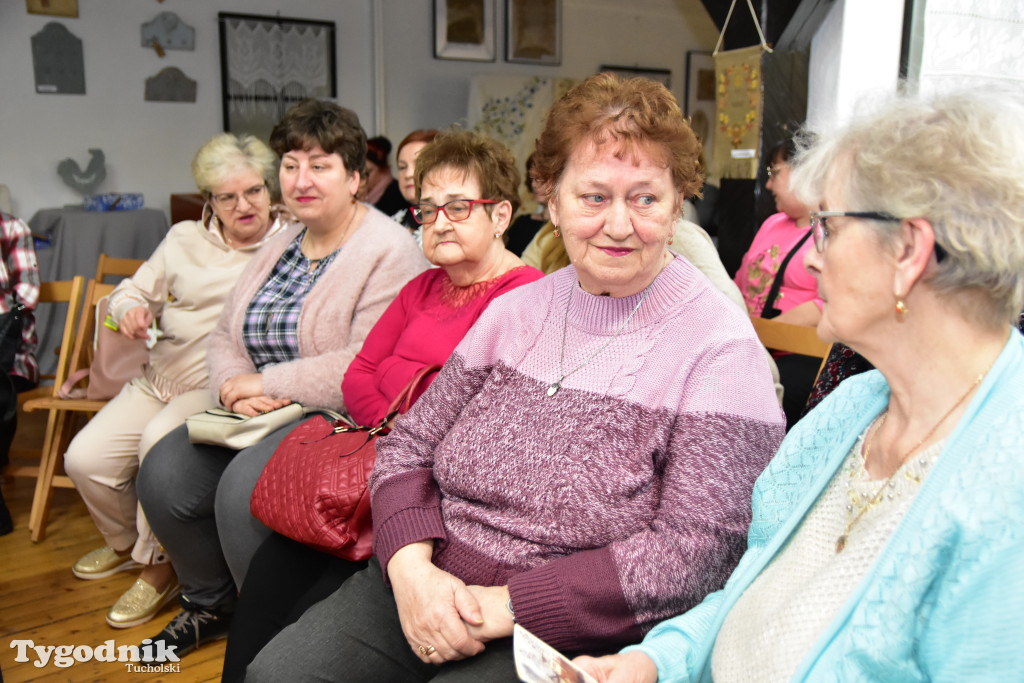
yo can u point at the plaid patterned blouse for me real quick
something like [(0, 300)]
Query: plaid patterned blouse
[(271, 328), (20, 274)]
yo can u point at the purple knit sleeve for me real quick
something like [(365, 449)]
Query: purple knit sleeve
[(405, 498)]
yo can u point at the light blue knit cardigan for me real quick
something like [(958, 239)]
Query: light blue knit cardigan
[(944, 601)]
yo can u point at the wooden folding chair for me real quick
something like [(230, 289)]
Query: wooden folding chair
[(65, 413), (108, 266), (58, 292), (800, 339)]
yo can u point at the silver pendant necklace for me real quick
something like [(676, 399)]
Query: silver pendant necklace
[(557, 384)]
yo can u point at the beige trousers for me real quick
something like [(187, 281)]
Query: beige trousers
[(104, 458)]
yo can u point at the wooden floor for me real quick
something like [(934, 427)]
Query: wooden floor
[(41, 600)]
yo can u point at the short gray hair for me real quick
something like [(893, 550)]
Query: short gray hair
[(956, 159), (225, 155)]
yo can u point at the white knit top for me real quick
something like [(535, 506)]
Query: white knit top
[(786, 609)]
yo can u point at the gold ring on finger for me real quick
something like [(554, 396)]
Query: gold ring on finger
[(427, 650)]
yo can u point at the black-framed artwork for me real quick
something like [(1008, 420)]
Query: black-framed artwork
[(699, 103), (663, 76), (533, 31), (267, 64), (464, 29)]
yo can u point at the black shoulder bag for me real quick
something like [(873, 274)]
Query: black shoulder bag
[(769, 311)]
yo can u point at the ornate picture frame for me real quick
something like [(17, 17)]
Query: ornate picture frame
[(464, 30), (257, 84), (533, 31)]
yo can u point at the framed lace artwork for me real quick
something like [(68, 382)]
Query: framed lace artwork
[(268, 64)]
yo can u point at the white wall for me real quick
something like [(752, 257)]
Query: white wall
[(149, 145), (855, 57)]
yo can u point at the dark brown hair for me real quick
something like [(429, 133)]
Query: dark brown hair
[(315, 123)]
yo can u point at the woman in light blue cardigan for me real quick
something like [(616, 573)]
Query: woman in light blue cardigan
[(887, 540)]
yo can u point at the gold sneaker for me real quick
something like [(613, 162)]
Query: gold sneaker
[(102, 563), (139, 604)]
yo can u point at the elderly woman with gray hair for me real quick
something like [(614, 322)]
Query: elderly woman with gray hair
[(886, 541), (182, 287)]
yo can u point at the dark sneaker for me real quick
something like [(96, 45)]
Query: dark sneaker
[(193, 627)]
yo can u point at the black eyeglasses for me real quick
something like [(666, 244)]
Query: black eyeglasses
[(228, 201), (456, 210), (819, 223)]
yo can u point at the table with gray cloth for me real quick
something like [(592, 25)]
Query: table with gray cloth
[(77, 238)]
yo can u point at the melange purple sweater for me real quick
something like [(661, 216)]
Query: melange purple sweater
[(619, 501)]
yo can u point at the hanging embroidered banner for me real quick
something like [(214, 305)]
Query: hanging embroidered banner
[(739, 93)]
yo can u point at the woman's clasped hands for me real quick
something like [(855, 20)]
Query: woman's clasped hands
[(442, 618), (244, 394)]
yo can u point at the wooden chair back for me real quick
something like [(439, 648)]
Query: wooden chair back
[(802, 339), (109, 266)]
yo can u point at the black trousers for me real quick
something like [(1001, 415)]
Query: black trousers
[(285, 578), (797, 375)]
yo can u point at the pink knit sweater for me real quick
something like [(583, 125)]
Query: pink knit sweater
[(619, 501), (338, 313)]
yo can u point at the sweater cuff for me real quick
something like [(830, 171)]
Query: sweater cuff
[(575, 603), (406, 510)]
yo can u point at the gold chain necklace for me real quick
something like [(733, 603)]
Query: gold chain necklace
[(841, 541)]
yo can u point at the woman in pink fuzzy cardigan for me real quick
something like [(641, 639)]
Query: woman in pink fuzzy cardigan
[(297, 317)]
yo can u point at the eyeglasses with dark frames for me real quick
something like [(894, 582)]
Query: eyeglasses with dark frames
[(456, 210), (819, 223), (228, 201)]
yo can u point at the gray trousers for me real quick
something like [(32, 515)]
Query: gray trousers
[(178, 484), (355, 636)]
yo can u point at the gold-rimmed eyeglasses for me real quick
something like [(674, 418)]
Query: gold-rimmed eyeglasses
[(820, 229), (456, 210), (228, 201)]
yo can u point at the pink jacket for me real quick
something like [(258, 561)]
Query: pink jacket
[(340, 310)]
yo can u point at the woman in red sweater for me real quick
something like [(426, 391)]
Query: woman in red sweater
[(467, 192)]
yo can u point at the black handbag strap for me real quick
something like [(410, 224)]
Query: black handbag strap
[(769, 311)]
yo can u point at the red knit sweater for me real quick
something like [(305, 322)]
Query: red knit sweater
[(421, 327)]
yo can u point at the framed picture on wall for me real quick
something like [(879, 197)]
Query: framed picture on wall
[(464, 29), (534, 31), (267, 64), (699, 102)]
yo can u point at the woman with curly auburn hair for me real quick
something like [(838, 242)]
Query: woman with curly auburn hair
[(582, 464)]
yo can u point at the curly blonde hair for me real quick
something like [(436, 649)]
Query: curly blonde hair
[(225, 155)]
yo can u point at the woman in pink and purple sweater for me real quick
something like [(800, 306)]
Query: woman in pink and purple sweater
[(583, 463)]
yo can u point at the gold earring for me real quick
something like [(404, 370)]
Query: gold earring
[(901, 307), (671, 239), (556, 233)]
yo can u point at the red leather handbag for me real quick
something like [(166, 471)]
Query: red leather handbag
[(314, 489)]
